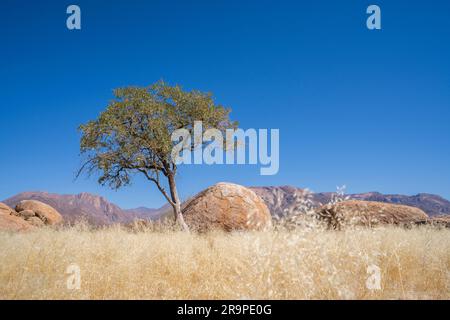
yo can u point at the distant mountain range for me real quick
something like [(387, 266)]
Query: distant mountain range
[(99, 211)]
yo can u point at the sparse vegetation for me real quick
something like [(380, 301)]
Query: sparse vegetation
[(119, 263)]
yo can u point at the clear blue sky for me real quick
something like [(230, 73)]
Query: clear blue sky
[(368, 109)]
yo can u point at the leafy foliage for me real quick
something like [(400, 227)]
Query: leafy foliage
[(134, 133)]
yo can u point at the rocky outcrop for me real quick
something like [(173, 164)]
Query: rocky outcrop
[(369, 213), (27, 216), (228, 207), (28, 209), (10, 222)]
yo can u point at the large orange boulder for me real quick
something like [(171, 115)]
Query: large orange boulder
[(229, 207), (369, 213), (47, 214)]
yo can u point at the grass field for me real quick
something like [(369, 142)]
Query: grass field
[(118, 264)]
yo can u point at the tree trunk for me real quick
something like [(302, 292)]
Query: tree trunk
[(177, 203)]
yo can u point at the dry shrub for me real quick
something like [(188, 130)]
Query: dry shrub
[(118, 263)]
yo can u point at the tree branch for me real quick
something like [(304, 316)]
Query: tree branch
[(156, 181)]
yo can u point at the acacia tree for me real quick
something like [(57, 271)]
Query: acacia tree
[(133, 135)]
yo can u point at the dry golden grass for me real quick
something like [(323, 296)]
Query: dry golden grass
[(118, 264)]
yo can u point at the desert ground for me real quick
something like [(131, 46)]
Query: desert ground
[(119, 263)]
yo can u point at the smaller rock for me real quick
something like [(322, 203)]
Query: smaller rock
[(35, 221), (436, 221), (369, 213), (25, 214)]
